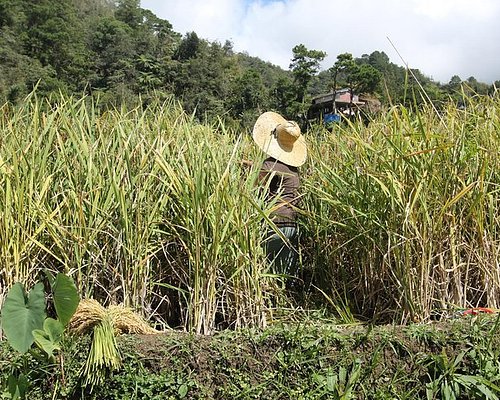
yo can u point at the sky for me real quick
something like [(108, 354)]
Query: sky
[(441, 38)]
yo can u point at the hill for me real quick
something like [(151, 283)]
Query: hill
[(125, 55)]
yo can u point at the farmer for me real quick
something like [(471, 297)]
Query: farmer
[(286, 148)]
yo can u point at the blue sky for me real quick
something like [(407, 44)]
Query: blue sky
[(440, 37)]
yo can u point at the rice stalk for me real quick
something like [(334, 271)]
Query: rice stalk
[(400, 209), (104, 324), (103, 355), (149, 209)]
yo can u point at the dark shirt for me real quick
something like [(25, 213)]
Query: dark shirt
[(284, 186)]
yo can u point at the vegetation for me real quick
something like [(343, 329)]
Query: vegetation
[(313, 359), (139, 207), (150, 209), (121, 175), (25, 322), (403, 214), (125, 55)]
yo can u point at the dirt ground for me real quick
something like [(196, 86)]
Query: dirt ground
[(396, 355)]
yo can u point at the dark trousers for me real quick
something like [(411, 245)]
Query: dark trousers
[(283, 254)]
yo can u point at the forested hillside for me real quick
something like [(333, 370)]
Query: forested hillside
[(121, 53)]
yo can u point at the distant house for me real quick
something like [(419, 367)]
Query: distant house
[(324, 108)]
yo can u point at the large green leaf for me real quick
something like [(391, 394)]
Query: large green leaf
[(66, 298), (21, 314)]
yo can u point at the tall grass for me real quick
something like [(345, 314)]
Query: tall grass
[(145, 208), (148, 208), (405, 211)]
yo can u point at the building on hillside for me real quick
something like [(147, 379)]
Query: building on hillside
[(325, 109)]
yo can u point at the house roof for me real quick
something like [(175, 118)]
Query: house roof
[(342, 96)]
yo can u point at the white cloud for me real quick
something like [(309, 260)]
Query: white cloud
[(439, 9), (440, 37), (210, 19)]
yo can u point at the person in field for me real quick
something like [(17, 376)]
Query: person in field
[(285, 146)]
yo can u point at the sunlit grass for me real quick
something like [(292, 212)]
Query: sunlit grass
[(146, 208), (150, 209), (405, 211)]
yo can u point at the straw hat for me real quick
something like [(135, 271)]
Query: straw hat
[(280, 139)]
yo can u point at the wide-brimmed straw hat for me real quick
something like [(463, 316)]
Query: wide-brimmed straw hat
[(280, 139)]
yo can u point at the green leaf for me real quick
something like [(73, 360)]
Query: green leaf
[(331, 382), (17, 386), (54, 329), (44, 343), (66, 298), (21, 314), (182, 392), (12, 387), (48, 339), (479, 383)]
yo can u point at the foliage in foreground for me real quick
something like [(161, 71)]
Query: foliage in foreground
[(25, 322), (144, 208), (307, 360)]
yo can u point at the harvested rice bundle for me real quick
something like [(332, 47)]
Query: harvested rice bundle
[(122, 319), (88, 314), (105, 324)]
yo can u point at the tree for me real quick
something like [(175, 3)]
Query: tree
[(53, 35), (455, 81), (358, 75), (364, 79), (165, 40), (203, 80), (344, 63), (249, 97), (129, 12), (475, 87), (41, 43), (283, 96), (189, 47), (10, 13), (112, 44), (454, 88), (19, 74), (148, 70), (379, 60), (305, 65)]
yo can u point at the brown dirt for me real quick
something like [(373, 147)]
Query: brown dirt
[(384, 351)]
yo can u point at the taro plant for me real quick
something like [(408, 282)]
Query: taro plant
[(24, 321)]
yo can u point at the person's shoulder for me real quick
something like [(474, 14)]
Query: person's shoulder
[(283, 167), (279, 167), (269, 164)]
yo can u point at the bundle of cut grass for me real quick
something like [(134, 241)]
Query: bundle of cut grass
[(122, 319), (104, 324), (88, 314)]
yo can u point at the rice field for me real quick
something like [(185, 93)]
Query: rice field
[(149, 209)]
